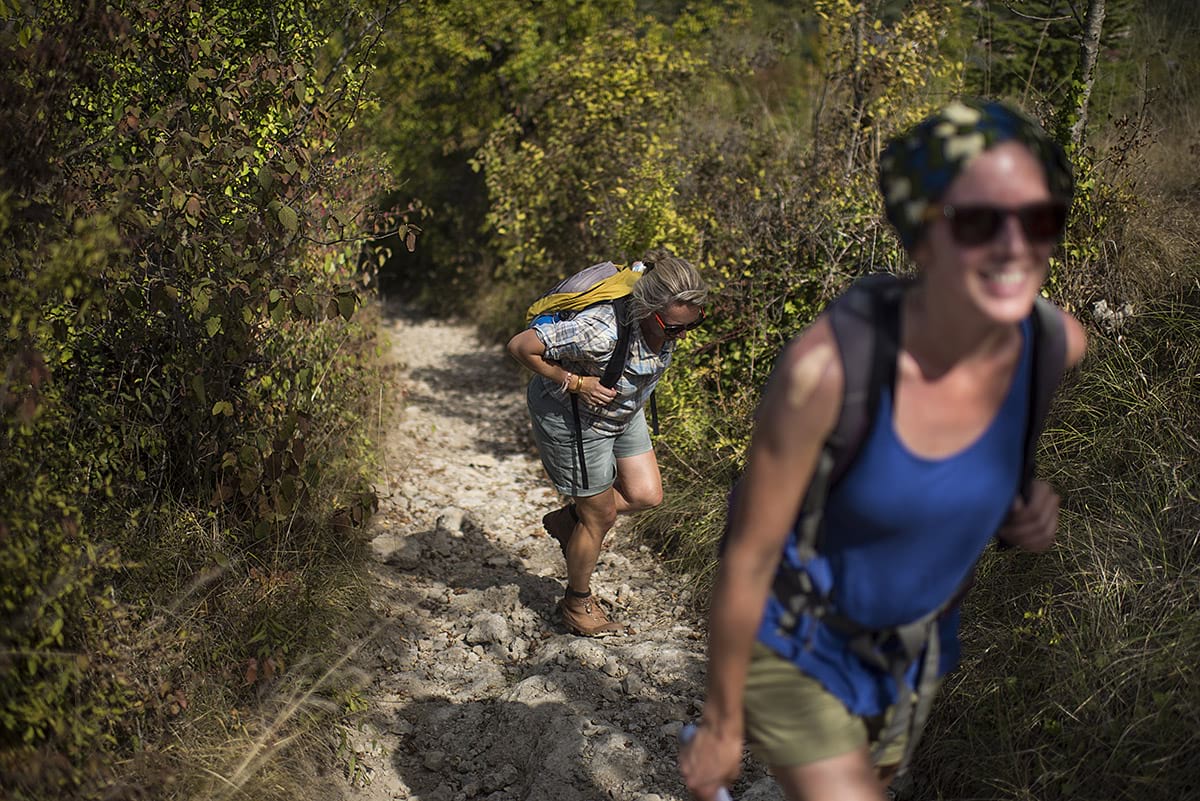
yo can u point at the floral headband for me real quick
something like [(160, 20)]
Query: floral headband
[(919, 165)]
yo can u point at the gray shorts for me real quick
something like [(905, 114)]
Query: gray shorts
[(554, 432)]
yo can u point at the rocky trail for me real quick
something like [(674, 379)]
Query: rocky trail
[(475, 689)]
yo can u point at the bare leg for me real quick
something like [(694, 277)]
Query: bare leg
[(582, 614), (597, 513), (848, 777), (639, 483), (638, 487)]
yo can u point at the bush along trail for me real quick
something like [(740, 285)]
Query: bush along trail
[(475, 690)]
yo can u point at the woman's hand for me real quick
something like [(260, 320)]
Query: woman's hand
[(592, 392), (710, 761), (1031, 523)]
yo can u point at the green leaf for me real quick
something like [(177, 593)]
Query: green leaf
[(288, 488), (288, 218), (304, 305), (201, 297), (222, 407), (212, 325), (198, 388)]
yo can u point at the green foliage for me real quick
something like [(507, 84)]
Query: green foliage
[(1106, 620), (784, 229), (598, 171), (176, 337), (567, 115), (1029, 51), (1166, 35), (756, 157)]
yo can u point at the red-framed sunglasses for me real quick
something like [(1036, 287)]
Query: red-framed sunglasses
[(676, 330)]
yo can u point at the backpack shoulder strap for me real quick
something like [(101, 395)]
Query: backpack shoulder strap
[(620, 354), (866, 325), (1049, 362), (612, 373)]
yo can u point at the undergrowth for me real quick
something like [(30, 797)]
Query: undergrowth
[(1079, 679)]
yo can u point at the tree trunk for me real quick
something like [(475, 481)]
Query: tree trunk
[(858, 85), (1089, 48)]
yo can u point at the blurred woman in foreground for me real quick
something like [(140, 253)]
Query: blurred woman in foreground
[(978, 194)]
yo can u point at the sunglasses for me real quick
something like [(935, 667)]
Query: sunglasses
[(1042, 223), (676, 330)]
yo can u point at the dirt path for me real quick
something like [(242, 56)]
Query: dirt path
[(476, 690)]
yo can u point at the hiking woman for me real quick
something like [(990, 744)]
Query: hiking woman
[(978, 195), (568, 358)]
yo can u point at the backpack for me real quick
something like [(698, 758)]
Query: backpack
[(598, 283), (605, 282), (866, 325)]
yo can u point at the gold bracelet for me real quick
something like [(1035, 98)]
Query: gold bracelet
[(578, 383)]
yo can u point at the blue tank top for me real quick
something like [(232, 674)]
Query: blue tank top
[(901, 534)]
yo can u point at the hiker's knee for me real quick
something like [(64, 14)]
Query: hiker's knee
[(597, 513), (646, 497), (639, 482)]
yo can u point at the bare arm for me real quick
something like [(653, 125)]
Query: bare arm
[(799, 409), (528, 349)]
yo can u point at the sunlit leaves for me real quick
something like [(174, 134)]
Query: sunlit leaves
[(165, 302), (601, 160)]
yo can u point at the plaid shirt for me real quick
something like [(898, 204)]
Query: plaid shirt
[(583, 345)]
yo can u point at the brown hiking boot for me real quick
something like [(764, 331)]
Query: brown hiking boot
[(585, 617), (560, 524)]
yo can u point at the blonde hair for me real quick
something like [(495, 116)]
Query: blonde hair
[(670, 280)]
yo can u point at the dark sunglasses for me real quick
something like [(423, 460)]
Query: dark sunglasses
[(676, 330), (978, 225)]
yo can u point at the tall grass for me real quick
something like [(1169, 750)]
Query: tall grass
[(1080, 678)]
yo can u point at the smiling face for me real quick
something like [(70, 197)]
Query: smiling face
[(998, 278)]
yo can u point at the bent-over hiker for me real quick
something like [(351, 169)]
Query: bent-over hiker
[(829, 633), (568, 358)]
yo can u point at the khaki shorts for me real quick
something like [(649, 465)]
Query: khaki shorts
[(791, 719), (554, 432)]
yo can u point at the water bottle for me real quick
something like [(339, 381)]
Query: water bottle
[(685, 736)]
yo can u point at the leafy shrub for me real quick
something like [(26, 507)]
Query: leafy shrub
[(185, 378)]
